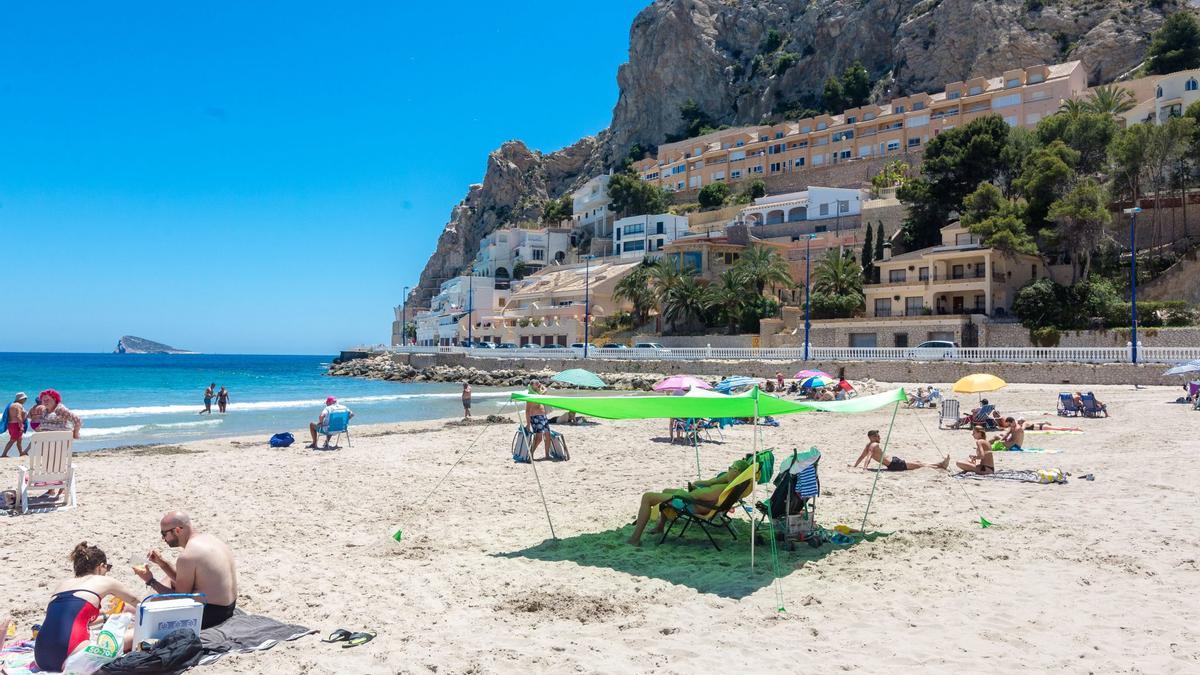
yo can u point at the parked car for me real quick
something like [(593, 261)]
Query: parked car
[(506, 345), (614, 345), (934, 349), (553, 346), (650, 345), (531, 345), (576, 345)]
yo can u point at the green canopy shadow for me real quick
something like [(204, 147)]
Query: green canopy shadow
[(689, 561)]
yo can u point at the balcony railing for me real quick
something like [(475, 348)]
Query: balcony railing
[(940, 279)]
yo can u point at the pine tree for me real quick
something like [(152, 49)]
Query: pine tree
[(878, 240), (868, 252)]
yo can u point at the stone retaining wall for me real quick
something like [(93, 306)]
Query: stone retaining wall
[(936, 372), (1016, 335)]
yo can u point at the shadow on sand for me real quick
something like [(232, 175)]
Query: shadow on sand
[(688, 561)]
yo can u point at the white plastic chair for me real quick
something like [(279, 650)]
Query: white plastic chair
[(949, 413), (49, 468)]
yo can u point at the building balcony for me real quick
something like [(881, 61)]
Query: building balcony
[(938, 279)]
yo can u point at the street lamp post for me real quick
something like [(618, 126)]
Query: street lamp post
[(807, 290), (587, 306), (471, 311), (404, 319), (1133, 340)]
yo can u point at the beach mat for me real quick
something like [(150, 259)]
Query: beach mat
[(244, 633), (1044, 476), (1035, 451), (17, 658)]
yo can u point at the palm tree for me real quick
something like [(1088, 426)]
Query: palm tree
[(686, 302), (1110, 99), (635, 288), (838, 273), (761, 266), (1072, 107), (729, 299)]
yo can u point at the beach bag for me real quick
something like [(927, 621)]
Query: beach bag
[(558, 446), (106, 647), (175, 652), (282, 440), (520, 446)]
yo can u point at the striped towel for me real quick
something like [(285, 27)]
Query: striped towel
[(807, 484)]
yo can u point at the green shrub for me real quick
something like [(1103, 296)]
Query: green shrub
[(713, 195), (824, 306), (1045, 337)]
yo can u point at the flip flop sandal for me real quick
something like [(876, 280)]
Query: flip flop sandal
[(357, 639), (338, 635)]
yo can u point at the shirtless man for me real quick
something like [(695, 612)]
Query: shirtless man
[(204, 566), (700, 491), (209, 393), (874, 451), (14, 416), (982, 461), (538, 424), (1014, 437)]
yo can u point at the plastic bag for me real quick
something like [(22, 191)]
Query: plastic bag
[(282, 440), (107, 646)]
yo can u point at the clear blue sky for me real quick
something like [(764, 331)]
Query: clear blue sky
[(265, 177)]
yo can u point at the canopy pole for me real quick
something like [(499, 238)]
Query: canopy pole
[(754, 472), (541, 494), (863, 527)]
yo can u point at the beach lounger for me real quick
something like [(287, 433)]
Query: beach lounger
[(1091, 408), (717, 514), (949, 413), (48, 467), (983, 418), (336, 425), (1066, 405)]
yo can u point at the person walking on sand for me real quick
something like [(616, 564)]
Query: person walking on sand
[(208, 397), (466, 399), (222, 399), (204, 566), (874, 451), (15, 421), (779, 380)]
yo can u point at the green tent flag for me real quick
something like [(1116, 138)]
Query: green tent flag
[(739, 405)]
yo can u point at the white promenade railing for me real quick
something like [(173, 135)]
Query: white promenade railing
[(962, 354)]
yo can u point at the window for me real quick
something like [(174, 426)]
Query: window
[(818, 159), (868, 117), (864, 151), (694, 182), (1038, 96), (778, 134), (883, 307), (824, 209), (1191, 84), (897, 276), (951, 95), (756, 169), (980, 302), (956, 272), (805, 129), (1011, 120), (821, 228), (636, 228), (1034, 78), (618, 235), (893, 145), (843, 206), (913, 306), (863, 340), (799, 161), (821, 126), (776, 149), (917, 121), (844, 154), (900, 339), (1014, 82), (762, 138), (539, 254), (851, 120), (736, 155), (718, 175), (914, 141), (740, 144), (678, 169), (975, 91), (735, 174), (919, 105), (843, 135), (635, 246), (923, 274), (776, 167), (658, 227), (899, 109), (1005, 101), (1158, 92)]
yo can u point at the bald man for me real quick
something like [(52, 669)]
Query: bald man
[(204, 566)]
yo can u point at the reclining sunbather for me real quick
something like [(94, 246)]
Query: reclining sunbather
[(893, 463), (700, 491)]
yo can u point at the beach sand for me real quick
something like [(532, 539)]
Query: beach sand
[(1092, 576)]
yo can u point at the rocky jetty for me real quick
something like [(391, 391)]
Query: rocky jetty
[(384, 368)]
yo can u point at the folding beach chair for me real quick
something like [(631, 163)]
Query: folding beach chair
[(983, 418), (1091, 408), (949, 413), (49, 468), (337, 424), (792, 506), (1066, 405), (715, 513)]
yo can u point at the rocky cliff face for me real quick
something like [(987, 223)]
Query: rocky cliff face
[(715, 53)]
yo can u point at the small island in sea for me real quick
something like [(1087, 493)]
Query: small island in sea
[(129, 344)]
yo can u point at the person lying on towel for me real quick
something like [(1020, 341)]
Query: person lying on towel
[(982, 462), (701, 491), (873, 451)]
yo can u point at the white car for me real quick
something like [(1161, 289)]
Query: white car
[(934, 349)]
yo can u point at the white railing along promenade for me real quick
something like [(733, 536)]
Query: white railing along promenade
[(963, 354)]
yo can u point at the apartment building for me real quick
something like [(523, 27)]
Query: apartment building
[(639, 236), (500, 251), (1022, 96), (1160, 97), (590, 207), (448, 310), (959, 276), (549, 307)]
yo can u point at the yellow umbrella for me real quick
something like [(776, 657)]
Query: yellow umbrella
[(978, 383)]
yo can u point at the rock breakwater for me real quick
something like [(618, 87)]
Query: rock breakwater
[(382, 367)]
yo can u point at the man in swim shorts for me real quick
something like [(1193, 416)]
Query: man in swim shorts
[(538, 423), (14, 417), (209, 393), (1014, 437), (893, 463), (204, 566)]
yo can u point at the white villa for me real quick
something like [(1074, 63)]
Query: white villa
[(815, 203), (500, 251), (456, 298), (638, 236), (589, 207)]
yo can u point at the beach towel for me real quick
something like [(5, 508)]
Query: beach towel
[(244, 633), (1043, 476), (17, 657), (1040, 451)]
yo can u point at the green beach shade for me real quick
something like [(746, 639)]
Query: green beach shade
[(579, 377), (630, 407)]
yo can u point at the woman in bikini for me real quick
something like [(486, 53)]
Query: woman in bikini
[(982, 461), (75, 604), (222, 399)]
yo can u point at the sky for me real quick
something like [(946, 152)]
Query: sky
[(265, 177)]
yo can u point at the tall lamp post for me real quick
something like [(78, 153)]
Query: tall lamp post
[(404, 319), (587, 304), (807, 289), (1133, 279)]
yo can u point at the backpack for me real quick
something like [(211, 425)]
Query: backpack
[(282, 440), (175, 652), (558, 446), (520, 446)]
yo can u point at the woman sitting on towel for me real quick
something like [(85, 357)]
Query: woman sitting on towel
[(982, 461), (700, 491), (75, 604)]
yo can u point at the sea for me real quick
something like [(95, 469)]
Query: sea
[(136, 399)]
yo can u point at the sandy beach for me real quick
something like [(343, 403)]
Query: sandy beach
[(1091, 576)]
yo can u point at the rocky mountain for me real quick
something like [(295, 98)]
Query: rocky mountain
[(723, 55), (129, 344)]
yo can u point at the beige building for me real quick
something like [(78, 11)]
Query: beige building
[(1160, 97), (1022, 96), (960, 276), (548, 307)]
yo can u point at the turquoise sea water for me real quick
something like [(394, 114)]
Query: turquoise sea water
[(127, 399)]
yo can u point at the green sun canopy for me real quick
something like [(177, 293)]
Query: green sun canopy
[(739, 405)]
